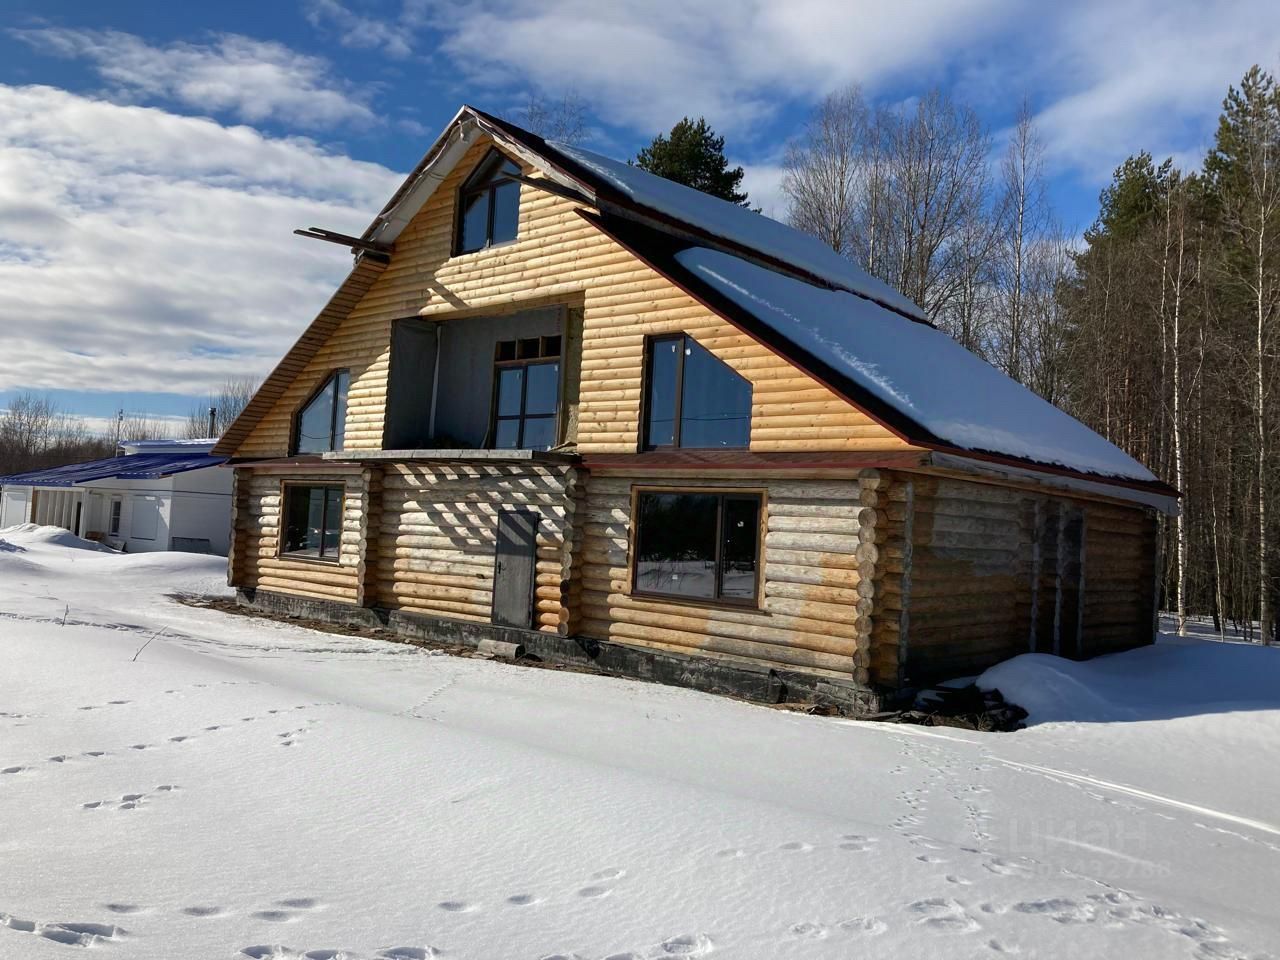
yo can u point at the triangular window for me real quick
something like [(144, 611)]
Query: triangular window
[(489, 204), (321, 423)]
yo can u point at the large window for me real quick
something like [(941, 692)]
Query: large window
[(526, 393), (313, 521), (322, 422), (692, 399), (698, 546), (489, 205)]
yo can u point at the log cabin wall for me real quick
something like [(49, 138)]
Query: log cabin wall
[(819, 552), (436, 537), (557, 259), (975, 573), (258, 563)]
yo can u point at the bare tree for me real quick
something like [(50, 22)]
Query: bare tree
[(1023, 214), (231, 398), (562, 119), (827, 168)]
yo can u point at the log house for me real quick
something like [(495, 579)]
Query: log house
[(562, 397)]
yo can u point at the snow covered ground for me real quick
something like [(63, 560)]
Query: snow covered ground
[(248, 788)]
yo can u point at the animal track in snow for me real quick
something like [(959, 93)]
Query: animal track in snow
[(943, 914), (71, 934), (866, 926), (13, 769), (202, 911), (128, 801), (687, 945), (593, 893), (808, 931), (523, 899), (797, 845), (457, 906), (122, 907), (407, 953)]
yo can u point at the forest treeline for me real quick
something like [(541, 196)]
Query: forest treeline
[(1158, 328), (35, 433)]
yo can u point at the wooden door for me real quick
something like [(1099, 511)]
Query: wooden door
[(515, 557)]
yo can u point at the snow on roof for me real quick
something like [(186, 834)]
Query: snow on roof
[(155, 446), (739, 225), (916, 369)]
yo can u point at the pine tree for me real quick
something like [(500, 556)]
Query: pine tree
[(692, 154)]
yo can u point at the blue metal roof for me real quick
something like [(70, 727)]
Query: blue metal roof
[(139, 466)]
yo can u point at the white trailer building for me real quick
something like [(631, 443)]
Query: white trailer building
[(157, 495)]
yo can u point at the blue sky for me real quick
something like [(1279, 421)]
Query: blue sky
[(154, 157)]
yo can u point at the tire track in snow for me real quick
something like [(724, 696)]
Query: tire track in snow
[(1141, 795)]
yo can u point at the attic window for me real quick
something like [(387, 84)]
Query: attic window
[(321, 423), (489, 205)]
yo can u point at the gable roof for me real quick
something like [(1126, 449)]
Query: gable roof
[(844, 327), (912, 378)]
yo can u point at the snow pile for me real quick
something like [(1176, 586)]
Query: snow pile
[(922, 372), (29, 534), (738, 224), (178, 782), (1169, 679)]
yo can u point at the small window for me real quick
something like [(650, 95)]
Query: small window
[(113, 526), (313, 521), (526, 394), (698, 546), (321, 424), (489, 205), (693, 399)]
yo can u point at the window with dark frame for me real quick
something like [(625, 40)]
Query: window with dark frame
[(694, 545), (313, 521), (113, 526), (320, 425), (488, 205), (526, 393), (693, 399)]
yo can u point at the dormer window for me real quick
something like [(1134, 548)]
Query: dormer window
[(489, 205), (321, 423)]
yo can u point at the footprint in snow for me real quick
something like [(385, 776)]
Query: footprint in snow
[(797, 845), (688, 945), (408, 953), (181, 739), (122, 907), (202, 911), (457, 906), (273, 916), (864, 926), (523, 899), (808, 931), (13, 769), (592, 893), (612, 873)]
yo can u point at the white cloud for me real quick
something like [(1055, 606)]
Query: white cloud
[(1146, 75), (394, 37), (145, 251), (763, 183), (252, 80), (1110, 77), (646, 63)]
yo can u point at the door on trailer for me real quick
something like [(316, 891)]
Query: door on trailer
[(13, 507), (515, 557)]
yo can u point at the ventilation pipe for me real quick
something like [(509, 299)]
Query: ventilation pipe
[(213, 421)]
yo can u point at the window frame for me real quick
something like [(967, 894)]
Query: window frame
[(115, 515), (759, 494), (522, 417), (650, 344), (329, 380), (465, 190), (294, 556)]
